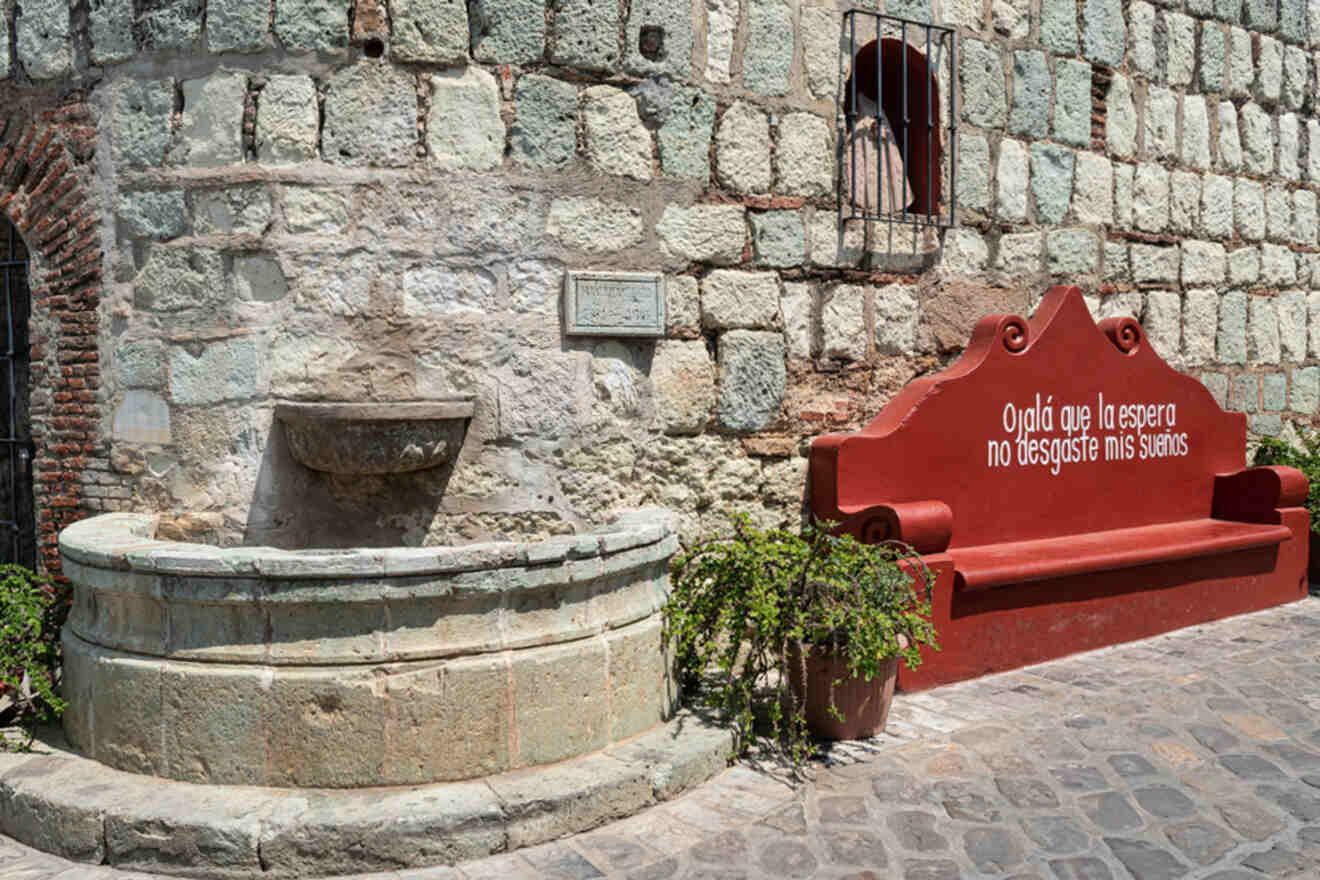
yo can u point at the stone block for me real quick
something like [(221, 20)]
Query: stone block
[(370, 116), (1117, 264), (797, 305), (223, 370), (464, 131), (140, 364), (1262, 331), (1013, 177), (1058, 26), (1260, 15), (323, 731), (742, 149), (1196, 132), (1313, 334), (981, 81), (752, 379), (1199, 327), (1032, 94), (896, 317), (819, 31), (212, 724), (1278, 212), (175, 279), (1162, 323), (1051, 181), (973, 183), (1070, 251), (1296, 77), (804, 157), (1292, 20), (1217, 385), (157, 215), (429, 31), (1121, 118), (1072, 104), (1123, 180), (1184, 199), (779, 238), (1019, 253), (686, 134), (288, 120), (1289, 141), (211, 125), (1214, 49), (1241, 63), (259, 278), (43, 38), (1093, 190), (238, 26), (1249, 209), (1203, 262), (703, 233), (1180, 48), (312, 25), (659, 38), (139, 120), (617, 142), (965, 251), (1150, 198), (544, 132), (683, 380), (1232, 338), (1257, 132), (1154, 263), (1292, 312), (682, 306), (1304, 218), (1244, 394), (843, 324), (740, 300), (1244, 265), (1230, 144), (1217, 206), (433, 290), (642, 687), (721, 26), (1312, 153), (1161, 126), (142, 417), (131, 741), (1269, 70), (240, 210), (769, 52), (507, 31), (1304, 395), (110, 26), (585, 35), (1141, 39), (1277, 265), (1104, 37)]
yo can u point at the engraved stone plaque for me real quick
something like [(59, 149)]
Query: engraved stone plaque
[(614, 303)]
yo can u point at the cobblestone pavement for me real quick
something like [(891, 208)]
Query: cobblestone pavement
[(1195, 754)]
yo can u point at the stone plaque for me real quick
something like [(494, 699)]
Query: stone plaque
[(614, 304)]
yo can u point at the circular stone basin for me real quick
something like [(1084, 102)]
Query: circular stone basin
[(400, 666), (375, 438)]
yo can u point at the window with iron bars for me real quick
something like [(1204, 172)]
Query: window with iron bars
[(897, 144)]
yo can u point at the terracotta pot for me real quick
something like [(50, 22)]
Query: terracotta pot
[(864, 704)]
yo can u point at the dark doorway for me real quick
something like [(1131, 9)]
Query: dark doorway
[(18, 532)]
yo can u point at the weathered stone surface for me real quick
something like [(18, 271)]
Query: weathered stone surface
[(721, 24), (1154, 263), (1141, 38), (238, 26), (1051, 181), (1104, 38), (713, 233), (172, 24), (1244, 265), (1257, 140), (544, 131), (740, 300), (1230, 144), (1232, 341), (110, 26), (370, 116), (507, 31), (973, 183), (617, 142), (1200, 325), (140, 364), (965, 251), (804, 158), (1071, 251), (1249, 209), (1278, 212), (797, 305), (258, 278), (682, 307), (211, 127), (1013, 177), (139, 121), (173, 279), (742, 149), (1150, 199), (1184, 198), (1072, 102), (769, 52), (1217, 206), (1032, 94), (158, 215), (1058, 26), (779, 238), (843, 324), (1121, 118), (306, 25), (1262, 331), (659, 38), (585, 35), (429, 31), (981, 80), (1241, 65), (1093, 190), (1304, 394), (896, 318), (686, 133), (1145, 860), (244, 210), (683, 378), (1277, 266), (1213, 53), (287, 120), (1269, 70), (1161, 124), (1196, 132), (593, 225), (1203, 262), (1180, 48), (1292, 312), (1019, 253), (819, 30), (226, 370), (464, 131), (1305, 221), (752, 379), (432, 290), (1123, 184)]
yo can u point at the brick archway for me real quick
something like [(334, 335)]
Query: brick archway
[(45, 169)]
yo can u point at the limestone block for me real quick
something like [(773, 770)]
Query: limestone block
[(1103, 33), (585, 35), (1093, 191), (819, 30), (110, 25), (642, 688), (593, 225), (1213, 53), (1296, 77), (1292, 311), (211, 126), (1203, 262), (157, 215), (896, 317), (131, 741), (238, 26), (797, 304), (464, 131), (1150, 198), (441, 290), (1121, 118), (1304, 395), (1278, 212), (1184, 195), (43, 38), (1071, 251), (142, 417), (683, 379), (1180, 48), (740, 300), (1117, 264), (659, 38), (258, 278), (1013, 177), (174, 279), (288, 120), (371, 116), (507, 31), (1257, 140), (311, 25), (617, 142), (1230, 144), (721, 25), (1244, 265), (965, 251), (1200, 325), (779, 238), (1019, 253), (1051, 181), (241, 210), (703, 233), (1154, 263), (1249, 209), (1217, 206), (1277, 266), (323, 731), (686, 134), (140, 364), (981, 81), (1262, 331), (742, 150), (973, 182), (1032, 94), (1269, 70), (769, 52), (1232, 338), (1304, 218), (139, 121), (682, 306), (429, 31), (843, 323), (224, 370), (1161, 127), (1196, 132), (752, 379), (1072, 104), (804, 157), (1241, 63), (1011, 18), (213, 731), (1289, 138)]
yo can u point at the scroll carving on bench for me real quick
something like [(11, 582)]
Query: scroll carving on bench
[(1070, 490)]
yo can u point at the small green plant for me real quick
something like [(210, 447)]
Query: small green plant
[(29, 652), (738, 604), (1274, 450)]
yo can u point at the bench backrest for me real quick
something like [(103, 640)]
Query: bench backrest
[(1043, 428)]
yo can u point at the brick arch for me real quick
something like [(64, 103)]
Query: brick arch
[(45, 169)]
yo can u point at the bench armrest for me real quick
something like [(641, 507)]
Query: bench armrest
[(925, 525), (1255, 494)]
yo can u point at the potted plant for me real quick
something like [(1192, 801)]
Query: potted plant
[(1275, 450), (803, 630)]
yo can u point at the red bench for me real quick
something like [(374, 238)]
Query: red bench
[(1069, 490)]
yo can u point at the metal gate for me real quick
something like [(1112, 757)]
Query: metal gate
[(18, 532)]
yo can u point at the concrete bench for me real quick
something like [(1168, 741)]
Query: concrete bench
[(1069, 490)]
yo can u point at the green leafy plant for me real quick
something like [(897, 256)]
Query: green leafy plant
[(1274, 450), (738, 604), (29, 652)]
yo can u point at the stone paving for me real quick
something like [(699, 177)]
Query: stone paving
[(1195, 754)]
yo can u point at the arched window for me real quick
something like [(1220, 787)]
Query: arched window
[(17, 521)]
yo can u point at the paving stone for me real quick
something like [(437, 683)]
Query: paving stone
[(1025, 793), (930, 869), (849, 810), (1249, 818), (1082, 868), (1131, 765), (848, 846), (1079, 778), (992, 849), (1110, 811), (1057, 835), (893, 786), (1200, 842), (1303, 805), (1251, 766), (788, 858), (915, 831), (1144, 860), (1278, 861)]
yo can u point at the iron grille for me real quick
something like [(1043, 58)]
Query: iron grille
[(897, 144), (18, 526)]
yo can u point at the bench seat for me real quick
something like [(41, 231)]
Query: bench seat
[(989, 566)]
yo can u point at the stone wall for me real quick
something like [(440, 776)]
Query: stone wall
[(304, 200)]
